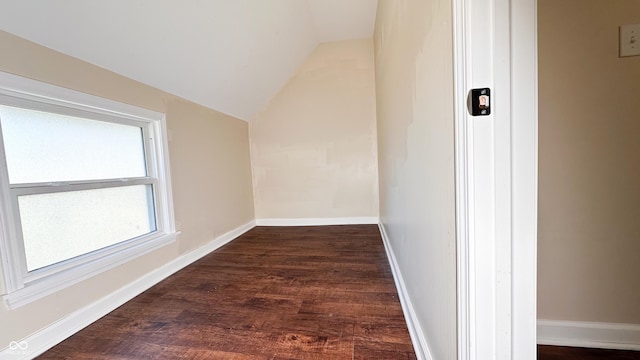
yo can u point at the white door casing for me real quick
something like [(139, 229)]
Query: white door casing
[(496, 179)]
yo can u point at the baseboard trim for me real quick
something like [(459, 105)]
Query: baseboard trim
[(55, 333), (415, 330), (589, 334), (317, 221)]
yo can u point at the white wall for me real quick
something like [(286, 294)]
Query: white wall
[(313, 148), (414, 85)]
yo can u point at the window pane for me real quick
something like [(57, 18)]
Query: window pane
[(46, 147), (60, 226)]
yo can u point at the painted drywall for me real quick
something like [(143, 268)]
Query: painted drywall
[(414, 86), (589, 163), (313, 148), (232, 56), (338, 20), (210, 166)]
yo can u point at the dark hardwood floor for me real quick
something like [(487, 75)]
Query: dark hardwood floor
[(546, 352), (273, 293)]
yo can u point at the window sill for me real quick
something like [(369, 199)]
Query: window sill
[(48, 285)]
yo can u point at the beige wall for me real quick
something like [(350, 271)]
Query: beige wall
[(313, 147), (589, 163), (210, 166), (414, 85)]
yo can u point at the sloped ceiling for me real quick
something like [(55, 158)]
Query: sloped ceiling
[(228, 55)]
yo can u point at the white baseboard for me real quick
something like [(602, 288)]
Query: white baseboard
[(55, 333), (589, 334), (415, 330), (317, 221)]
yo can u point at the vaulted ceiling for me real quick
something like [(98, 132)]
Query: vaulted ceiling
[(228, 55)]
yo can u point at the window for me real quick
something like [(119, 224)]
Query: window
[(84, 186)]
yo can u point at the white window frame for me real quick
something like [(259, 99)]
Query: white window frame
[(22, 286)]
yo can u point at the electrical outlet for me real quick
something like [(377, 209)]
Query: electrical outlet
[(629, 40)]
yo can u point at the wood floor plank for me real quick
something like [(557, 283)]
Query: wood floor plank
[(274, 293)]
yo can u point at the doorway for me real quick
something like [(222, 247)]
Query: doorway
[(589, 176)]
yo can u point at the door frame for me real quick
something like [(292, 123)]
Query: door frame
[(495, 45)]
